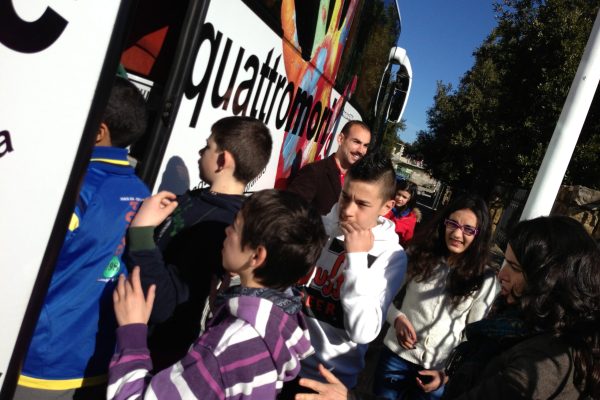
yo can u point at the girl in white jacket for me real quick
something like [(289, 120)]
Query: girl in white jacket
[(448, 285)]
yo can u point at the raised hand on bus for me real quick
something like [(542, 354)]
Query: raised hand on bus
[(155, 209)]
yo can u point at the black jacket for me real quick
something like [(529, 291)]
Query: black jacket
[(182, 264)]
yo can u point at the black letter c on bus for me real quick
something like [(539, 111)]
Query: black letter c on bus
[(25, 36)]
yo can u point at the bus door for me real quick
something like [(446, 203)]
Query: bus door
[(58, 63)]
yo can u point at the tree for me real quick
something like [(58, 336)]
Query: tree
[(495, 127), (391, 141)]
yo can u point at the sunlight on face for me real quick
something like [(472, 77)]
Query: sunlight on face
[(354, 146), (234, 257), (511, 277), (402, 197), (362, 202), (456, 239)]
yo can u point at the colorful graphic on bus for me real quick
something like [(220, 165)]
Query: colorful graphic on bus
[(310, 137)]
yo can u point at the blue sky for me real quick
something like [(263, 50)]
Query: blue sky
[(439, 37)]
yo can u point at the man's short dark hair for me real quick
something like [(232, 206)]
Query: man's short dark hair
[(249, 142), (376, 166), (291, 231), (350, 124), (125, 115)]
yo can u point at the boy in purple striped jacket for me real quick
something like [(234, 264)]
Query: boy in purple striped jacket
[(257, 337)]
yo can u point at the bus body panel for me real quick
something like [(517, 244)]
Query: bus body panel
[(46, 100)]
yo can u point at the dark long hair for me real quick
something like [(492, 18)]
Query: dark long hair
[(561, 263), (411, 188), (468, 268)]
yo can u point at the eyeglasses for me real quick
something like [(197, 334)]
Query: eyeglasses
[(466, 229)]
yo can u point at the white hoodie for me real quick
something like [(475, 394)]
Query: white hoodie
[(347, 296)]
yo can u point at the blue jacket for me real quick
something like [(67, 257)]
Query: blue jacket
[(75, 334)]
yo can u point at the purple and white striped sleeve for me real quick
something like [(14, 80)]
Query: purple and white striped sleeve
[(197, 375), (129, 370)]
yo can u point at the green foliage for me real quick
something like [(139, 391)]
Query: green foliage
[(495, 127), (391, 141)]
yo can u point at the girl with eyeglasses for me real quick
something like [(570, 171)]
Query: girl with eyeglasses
[(541, 340), (448, 285)]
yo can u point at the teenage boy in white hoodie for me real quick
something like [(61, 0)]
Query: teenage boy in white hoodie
[(360, 269)]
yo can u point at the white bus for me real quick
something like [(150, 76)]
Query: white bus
[(303, 67)]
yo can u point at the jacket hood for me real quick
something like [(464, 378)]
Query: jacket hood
[(277, 319), (418, 214), (231, 202), (196, 206)]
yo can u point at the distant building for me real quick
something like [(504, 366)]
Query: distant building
[(414, 171)]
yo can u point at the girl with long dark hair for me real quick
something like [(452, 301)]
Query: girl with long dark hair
[(542, 338), (448, 285)]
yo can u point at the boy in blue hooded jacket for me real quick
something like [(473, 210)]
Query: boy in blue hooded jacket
[(74, 337)]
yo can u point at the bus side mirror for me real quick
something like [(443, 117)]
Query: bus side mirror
[(395, 85), (400, 85), (397, 103)]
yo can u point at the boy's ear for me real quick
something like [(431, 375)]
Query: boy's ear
[(386, 207), (221, 161), (259, 257), (103, 135), (226, 160)]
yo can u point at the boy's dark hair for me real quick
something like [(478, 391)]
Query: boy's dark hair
[(376, 166), (290, 230), (249, 142), (125, 115)]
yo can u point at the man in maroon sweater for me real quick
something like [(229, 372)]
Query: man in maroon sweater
[(320, 183)]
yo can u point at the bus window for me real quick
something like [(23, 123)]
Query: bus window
[(366, 52), (151, 45)]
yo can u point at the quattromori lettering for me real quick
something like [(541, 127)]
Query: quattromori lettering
[(25, 36), (5, 143), (254, 87)]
